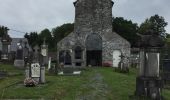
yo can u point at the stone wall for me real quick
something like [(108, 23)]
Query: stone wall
[(94, 17)]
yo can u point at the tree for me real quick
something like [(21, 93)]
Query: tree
[(3, 30), (46, 34), (33, 38), (126, 29), (156, 23), (62, 31)]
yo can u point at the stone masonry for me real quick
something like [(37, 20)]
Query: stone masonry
[(93, 18)]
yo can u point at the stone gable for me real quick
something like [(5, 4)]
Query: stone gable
[(93, 33)]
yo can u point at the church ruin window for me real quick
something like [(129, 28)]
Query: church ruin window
[(78, 52), (61, 56), (65, 57)]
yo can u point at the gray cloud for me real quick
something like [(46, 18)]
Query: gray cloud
[(35, 15)]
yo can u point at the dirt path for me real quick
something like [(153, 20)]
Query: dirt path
[(96, 89)]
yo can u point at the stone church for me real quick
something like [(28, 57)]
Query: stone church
[(92, 42)]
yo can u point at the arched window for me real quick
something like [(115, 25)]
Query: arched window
[(78, 52), (94, 42), (65, 57), (61, 57)]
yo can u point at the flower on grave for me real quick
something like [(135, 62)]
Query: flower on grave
[(30, 82)]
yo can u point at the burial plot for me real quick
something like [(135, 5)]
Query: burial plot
[(35, 71), (66, 67)]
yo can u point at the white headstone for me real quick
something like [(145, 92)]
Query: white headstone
[(35, 70), (49, 63), (44, 52)]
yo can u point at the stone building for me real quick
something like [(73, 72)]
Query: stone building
[(92, 42)]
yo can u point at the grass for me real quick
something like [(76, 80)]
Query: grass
[(120, 86)]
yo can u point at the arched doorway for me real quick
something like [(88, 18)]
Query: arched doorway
[(94, 50)]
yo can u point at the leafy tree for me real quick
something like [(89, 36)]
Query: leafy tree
[(33, 38), (156, 23), (126, 29), (3, 30), (46, 34), (62, 31)]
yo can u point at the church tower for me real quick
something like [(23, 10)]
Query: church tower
[(92, 42), (93, 16)]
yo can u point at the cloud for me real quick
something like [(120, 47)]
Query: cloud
[(35, 15)]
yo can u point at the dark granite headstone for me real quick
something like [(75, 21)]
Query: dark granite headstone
[(19, 55), (19, 61)]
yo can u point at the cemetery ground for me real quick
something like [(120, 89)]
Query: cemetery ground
[(93, 84)]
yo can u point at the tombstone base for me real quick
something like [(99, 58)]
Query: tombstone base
[(150, 87), (19, 63)]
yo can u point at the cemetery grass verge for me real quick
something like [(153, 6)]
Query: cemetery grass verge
[(119, 86)]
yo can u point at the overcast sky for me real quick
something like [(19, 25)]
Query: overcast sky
[(35, 15)]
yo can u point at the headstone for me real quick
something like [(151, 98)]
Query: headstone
[(166, 70), (49, 63), (19, 61), (35, 71), (6, 41), (149, 81), (26, 53), (44, 53), (123, 65)]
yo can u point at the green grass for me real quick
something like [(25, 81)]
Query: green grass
[(120, 86)]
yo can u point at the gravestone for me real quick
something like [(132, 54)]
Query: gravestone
[(6, 41), (36, 69), (35, 72), (149, 82), (49, 63), (26, 53), (44, 54), (166, 70), (19, 61), (123, 65)]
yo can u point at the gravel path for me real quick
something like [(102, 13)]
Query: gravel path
[(96, 88)]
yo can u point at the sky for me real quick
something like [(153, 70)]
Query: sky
[(36, 15)]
